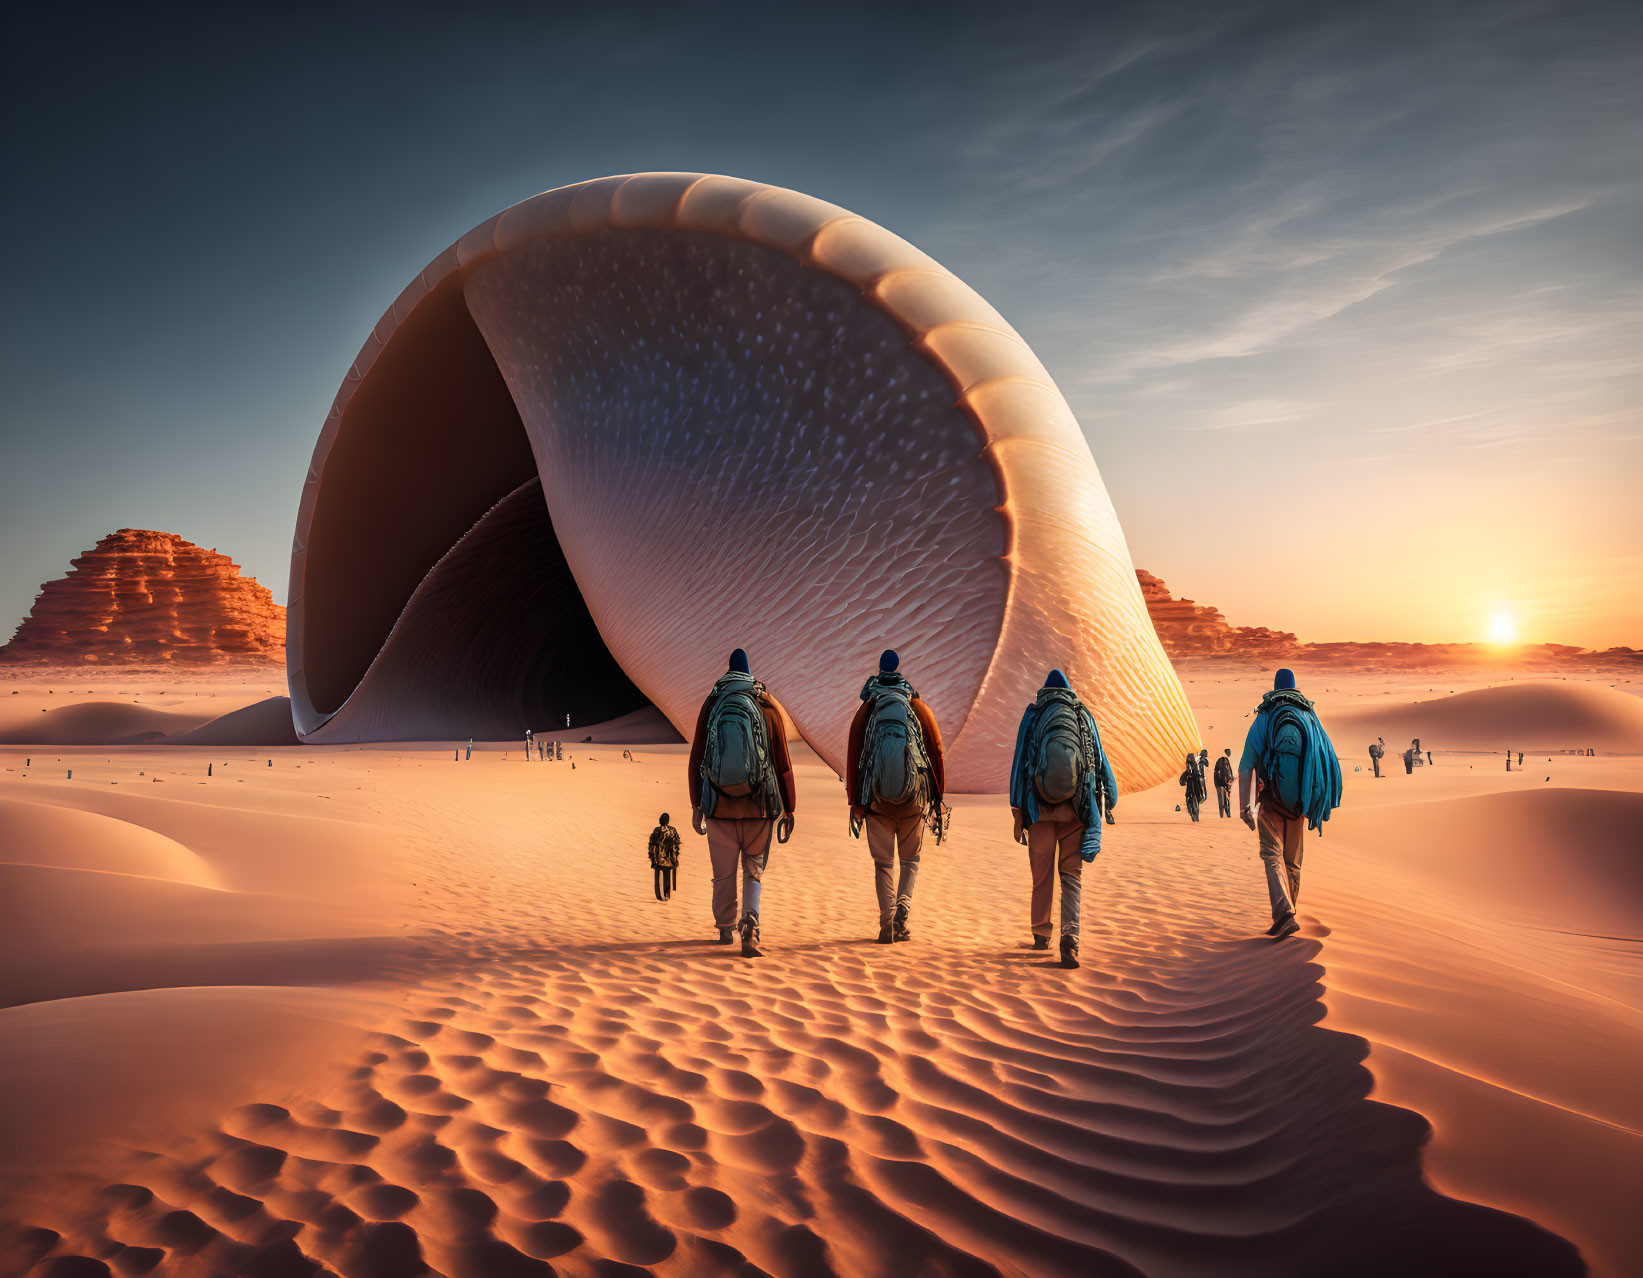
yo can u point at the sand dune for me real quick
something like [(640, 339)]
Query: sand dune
[(1566, 859), (99, 723), (1490, 947), (538, 1068), (265, 723), (1563, 715)]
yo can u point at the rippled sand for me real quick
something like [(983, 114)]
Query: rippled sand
[(376, 1012)]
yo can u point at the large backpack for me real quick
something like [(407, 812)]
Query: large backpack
[(736, 761), (1283, 760), (895, 768), (1058, 757)]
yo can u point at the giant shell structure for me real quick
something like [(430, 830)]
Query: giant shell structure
[(627, 425)]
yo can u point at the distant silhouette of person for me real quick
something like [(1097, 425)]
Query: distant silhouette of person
[(1409, 760), (664, 857), (1428, 756), (1192, 780), (1377, 751), (1508, 760), (470, 748), (1520, 758), (1223, 783)]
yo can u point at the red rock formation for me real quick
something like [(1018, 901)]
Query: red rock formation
[(1187, 629), (150, 598)]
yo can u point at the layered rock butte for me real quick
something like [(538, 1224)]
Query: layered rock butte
[(143, 598)]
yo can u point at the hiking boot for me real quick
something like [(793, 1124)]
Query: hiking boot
[(1041, 942), (904, 907), (750, 937), (884, 934), (726, 934), (1288, 927), (1069, 951), (1277, 923)]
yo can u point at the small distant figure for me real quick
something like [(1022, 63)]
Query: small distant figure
[(895, 775), (1429, 758), (528, 745), (664, 857), (1508, 760), (1409, 761), (1520, 760), (1289, 767), (1377, 752), (470, 753), (1060, 784), (541, 749), (1192, 779), (1223, 783)]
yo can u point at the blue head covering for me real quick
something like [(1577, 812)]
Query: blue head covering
[(889, 661), (1285, 680), (738, 662), (1056, 680)]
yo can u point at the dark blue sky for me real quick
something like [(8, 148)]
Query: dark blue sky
[(1392, 253)]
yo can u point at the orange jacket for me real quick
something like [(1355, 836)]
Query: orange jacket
[(932, 747), (775, 728)]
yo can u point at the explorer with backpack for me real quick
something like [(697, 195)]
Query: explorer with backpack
[(664, 857), (741, 787), (1290, 758), (894, 778), (1061, 785), (1192, 781)]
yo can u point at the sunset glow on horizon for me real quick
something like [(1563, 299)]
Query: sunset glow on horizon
[(1502, 629)]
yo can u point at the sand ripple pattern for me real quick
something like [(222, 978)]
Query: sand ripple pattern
[(955, 1107)]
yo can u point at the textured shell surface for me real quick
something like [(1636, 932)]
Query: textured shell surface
[(754, 420)]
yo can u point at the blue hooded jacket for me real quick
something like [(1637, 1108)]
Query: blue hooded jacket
[(1320, 767), (1098, 781)]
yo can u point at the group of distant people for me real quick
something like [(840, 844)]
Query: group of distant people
[(1413, 756), (1062, 792), (543, 748), (1195, 780)]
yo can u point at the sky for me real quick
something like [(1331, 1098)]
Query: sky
[(1348, 299)]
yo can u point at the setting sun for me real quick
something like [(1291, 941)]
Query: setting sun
[(1502, 629)]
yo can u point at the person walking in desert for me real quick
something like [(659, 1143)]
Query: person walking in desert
[(741, 787), (1192, 781), (1060, 784), (664, 857), (1290, 773), (894, 777), (1223, 783)]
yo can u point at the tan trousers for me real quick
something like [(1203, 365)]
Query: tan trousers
[(731, 841), (1053, 842), (1280, 839), (886, 836)]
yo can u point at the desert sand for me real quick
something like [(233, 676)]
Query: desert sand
[(378, 1011)]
